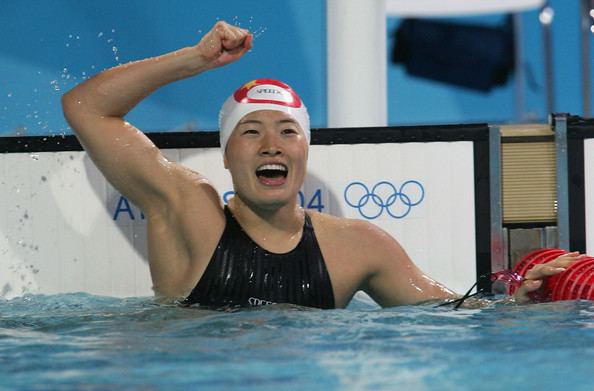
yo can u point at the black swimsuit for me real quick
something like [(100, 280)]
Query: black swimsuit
[(243, 274)]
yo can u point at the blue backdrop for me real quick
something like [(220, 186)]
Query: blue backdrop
[(48, 47)]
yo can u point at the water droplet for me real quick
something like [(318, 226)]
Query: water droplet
[(259, 31), (546, 15), (10, 94), (100, 34)]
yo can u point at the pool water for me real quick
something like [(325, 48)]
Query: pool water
[(79, 341)]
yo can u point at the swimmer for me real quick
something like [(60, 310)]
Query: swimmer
[(260, 248)]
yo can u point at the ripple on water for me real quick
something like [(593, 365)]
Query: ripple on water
[(67, 341)]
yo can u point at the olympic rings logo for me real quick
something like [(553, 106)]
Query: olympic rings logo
[(384, 196)]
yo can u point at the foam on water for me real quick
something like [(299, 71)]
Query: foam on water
[(81, 341)]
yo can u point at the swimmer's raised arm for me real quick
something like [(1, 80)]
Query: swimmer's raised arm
[(96, 108)]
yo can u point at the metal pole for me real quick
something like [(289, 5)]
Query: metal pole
[(546, 19), (356, 63), (559, 122), (498, 261), (587, 6), (520, 74)]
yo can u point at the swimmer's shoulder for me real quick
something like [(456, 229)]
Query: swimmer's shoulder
[(346, 230), (329, 221), (360, 244)]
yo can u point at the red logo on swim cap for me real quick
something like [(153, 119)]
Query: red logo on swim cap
[(249, 92)]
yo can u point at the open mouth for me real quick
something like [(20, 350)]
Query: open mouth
[(272, 174)]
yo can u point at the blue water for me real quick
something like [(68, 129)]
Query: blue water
[(79, 341)]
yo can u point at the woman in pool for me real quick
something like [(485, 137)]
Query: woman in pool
[(262, 248)]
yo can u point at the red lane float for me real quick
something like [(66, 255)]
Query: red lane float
[(575, 283)]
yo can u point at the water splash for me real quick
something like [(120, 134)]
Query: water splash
[(257, 31), (55, 85)]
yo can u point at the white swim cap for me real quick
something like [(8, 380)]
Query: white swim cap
[(261, 94)]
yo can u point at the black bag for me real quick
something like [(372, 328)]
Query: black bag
[(471, 56)]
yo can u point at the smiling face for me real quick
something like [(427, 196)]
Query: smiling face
[(267, 158)]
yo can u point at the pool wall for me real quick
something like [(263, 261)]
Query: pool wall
[(66, 229)]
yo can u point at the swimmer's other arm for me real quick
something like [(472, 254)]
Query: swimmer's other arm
[(396, 280), (532, 282), (393, 278)]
